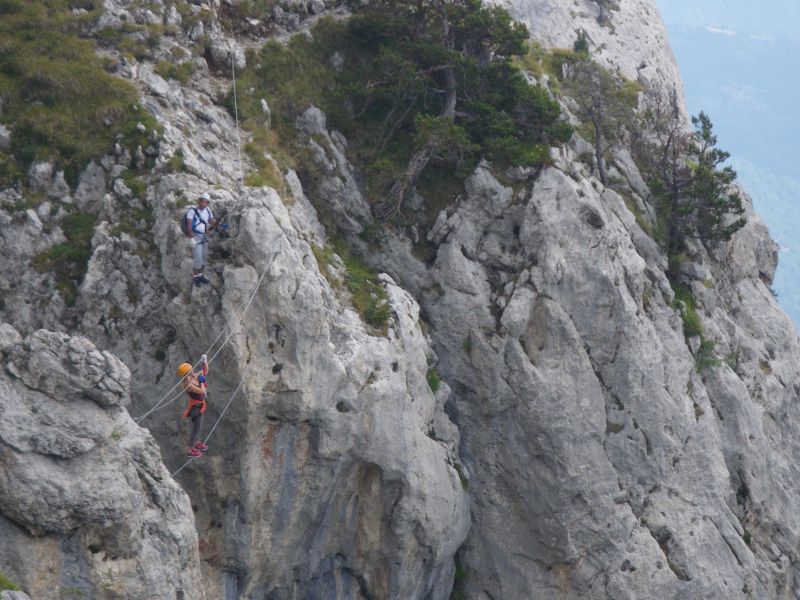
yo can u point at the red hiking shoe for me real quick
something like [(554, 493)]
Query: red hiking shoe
[(194, 453), (200, 446)]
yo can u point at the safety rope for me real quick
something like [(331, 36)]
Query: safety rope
[(210, 433), (236, 115), (161, 402), (239, 321)]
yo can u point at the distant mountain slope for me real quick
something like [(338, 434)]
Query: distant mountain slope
[(778, 18)]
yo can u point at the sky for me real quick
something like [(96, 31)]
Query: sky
[(739, 64)]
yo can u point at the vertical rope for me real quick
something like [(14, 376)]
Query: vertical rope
[(236, 116)]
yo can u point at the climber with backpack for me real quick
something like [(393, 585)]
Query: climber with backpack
[(196, 224), (195, 385)]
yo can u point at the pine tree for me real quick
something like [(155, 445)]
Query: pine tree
[(439, 72), (692, 190)]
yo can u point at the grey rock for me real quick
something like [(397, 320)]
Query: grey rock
[(9, 595), (40, 176), (154, 82), (173, 17), (85, 501), (316, 7), (70, 369), (337, 61), (633, 39), (339, 184), (8, 337), (312, 122), (226, 53), (5, 137), (267, 113), (121, 189)]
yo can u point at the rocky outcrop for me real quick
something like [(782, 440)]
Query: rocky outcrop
[(580, 445), (86, 505), (626, 35), (334, 465), (620, 477), (609, 455)]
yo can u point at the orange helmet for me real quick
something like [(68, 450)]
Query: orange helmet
[(183, 369)]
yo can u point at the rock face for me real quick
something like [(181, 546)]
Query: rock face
[(580, 444), (332, 465), (606, 460), (627, 35), (86, 505)]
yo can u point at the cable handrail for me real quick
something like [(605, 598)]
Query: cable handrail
[(210, 433), (230, 324)]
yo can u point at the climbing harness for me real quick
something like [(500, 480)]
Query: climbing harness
[(210, 433)]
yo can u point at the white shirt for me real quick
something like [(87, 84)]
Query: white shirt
[(204, 214)]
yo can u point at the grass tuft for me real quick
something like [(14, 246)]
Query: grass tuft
[(433, 380), (5, 582), (69, 260), (367, 295), (59, 101)]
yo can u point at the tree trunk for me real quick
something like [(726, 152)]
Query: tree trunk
[(419, 161), (449, 109), (401, 187)]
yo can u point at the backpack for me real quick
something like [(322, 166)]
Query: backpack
[(186, 223)]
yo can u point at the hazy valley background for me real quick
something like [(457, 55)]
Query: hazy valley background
[(739, 63)]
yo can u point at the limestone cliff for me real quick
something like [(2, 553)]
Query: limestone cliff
[(579, 445)]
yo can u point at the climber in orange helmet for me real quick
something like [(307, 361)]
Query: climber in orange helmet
[(195, 385)]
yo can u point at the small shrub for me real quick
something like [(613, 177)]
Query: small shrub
[(135, 183), (433, 380), (581, 45), (685, 303), (175, 163), (69, 260), (706, 356), (462, 476), (179, 71), (366, 294), (136, 222), (6, 584)]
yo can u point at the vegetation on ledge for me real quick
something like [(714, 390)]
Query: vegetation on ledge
[(69, 260), (421, 90), (57, 99)]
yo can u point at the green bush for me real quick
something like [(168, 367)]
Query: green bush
[(385, 97), (69, 260), (433, 380), (686, 304), (5, 582), (367, 295), (706, 355), (135, 183), (57, 98), (581, 44), (178, 71)]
